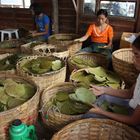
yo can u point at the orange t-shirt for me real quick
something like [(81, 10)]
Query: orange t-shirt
[(100, 37)]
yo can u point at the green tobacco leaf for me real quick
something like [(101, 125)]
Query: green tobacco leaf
[(104, 105), (85, 96), (13, 102), (100, 79), (119, 109), (99, 71), (29, 91), (113, 78), (78, 76), (61, 96), (56, 65), (114, 85), (3, 96)]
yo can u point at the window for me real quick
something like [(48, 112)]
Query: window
[(15, 3), (123, 8), (89, 6)]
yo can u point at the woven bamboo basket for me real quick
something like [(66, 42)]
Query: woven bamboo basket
[(3, 56), (25, 48), (51, 118), (49, 49), (43, 80), (99, 59), (14, 42), (123, 65), (96, 129), (67, 40), (27, 112)]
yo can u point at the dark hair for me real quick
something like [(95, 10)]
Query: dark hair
[(37, 8), (136, 42), (102, 12)]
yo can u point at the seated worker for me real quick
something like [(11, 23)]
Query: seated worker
[(101, 35), (42, 22), (132, 94)]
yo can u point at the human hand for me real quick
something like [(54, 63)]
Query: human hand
[(32, 31), (34, 34), (98, 90), (104, 47), (77, 40), (96, 110)]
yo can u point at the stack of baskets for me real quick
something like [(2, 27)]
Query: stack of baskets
[(27, 112), (67, 40), (96, 129), (123, 65), (51, 118), (42, 80), (99, 59)]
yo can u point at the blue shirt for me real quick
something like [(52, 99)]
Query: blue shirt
[(41, 23)]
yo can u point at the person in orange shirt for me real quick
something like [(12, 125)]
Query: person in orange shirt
[(101, 35)]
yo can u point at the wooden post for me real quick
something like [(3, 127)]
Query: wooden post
[(55, 16), (76, 7)]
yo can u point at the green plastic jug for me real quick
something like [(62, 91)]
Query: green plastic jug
[(20, 131)]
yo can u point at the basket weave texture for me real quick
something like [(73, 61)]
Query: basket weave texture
[(27, 112), (3, 56), (123, 65), (58, 52), (99, 59), (25, 48), (96, 129), (56, 120), (67, 40), (43, 80)]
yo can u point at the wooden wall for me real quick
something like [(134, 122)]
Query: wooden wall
[(67, 16), (47, 6), (15, 18), (119, 24)]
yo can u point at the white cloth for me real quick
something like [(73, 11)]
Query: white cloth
[(136, 96)]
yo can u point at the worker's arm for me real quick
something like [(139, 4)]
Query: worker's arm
[(122, 93), (133, 119)]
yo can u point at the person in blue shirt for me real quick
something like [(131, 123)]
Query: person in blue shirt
[(42, 22)]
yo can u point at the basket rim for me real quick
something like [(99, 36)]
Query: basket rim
[(118, 51), (39, 75), (85, 53), (94, 120), (56, 86), (24, 79)]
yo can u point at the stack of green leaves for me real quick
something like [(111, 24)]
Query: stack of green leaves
[(42, 65), (97, 76), (74, 103), (82, 63), (9, 62), (14, 93), (115, 108)]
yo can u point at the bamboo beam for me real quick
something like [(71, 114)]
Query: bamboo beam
[(55, 16), (75, 6)]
